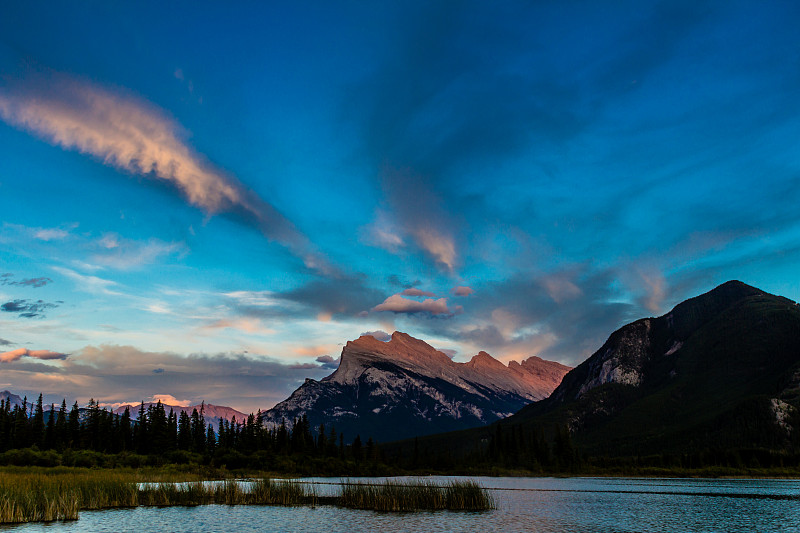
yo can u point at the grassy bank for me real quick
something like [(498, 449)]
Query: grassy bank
[(60, 494), (391, 496)]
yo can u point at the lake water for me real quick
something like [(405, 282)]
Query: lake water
[(524, 504)]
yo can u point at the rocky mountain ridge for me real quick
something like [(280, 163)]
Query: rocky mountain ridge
[(405, 387)]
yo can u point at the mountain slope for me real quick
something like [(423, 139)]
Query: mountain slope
[(719, 372), (405, 387)]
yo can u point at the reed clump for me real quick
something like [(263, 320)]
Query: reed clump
[(392, 496), (60, 495)]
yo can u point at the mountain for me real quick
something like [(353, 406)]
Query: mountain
[(405, 387), (10, 398), (212, 413), (719, 372)]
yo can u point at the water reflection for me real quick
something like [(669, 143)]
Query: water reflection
[(547, 505)]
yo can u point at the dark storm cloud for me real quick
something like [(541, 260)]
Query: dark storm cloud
[(28, 308)]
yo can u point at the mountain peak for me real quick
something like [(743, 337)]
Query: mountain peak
[(406, 387), (484, 360)]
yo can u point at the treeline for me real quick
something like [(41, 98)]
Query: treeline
[(174, 437), (510, 447)]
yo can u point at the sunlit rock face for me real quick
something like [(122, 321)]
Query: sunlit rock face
[(405, 388)]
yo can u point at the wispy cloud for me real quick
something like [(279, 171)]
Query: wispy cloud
[(134, 136), (19, 353), (125, 254), (88, 283)]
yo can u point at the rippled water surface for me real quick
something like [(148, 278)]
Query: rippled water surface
[(524, 504)]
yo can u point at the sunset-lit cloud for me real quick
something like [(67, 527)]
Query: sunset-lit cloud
[(124, 374), (417, 292), (441, 247), (168, 399), (132, 135), (19, 353), (461, 290), (397, 304), (295, 195)]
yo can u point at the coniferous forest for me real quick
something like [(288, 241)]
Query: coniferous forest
[(34, 434)]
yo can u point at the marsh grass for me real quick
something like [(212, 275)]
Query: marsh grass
[(60, 495), (392, 496)]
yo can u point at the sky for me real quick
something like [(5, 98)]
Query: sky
[(205, 201)]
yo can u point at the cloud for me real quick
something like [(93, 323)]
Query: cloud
[(168, 399), (343, 296), (48, 234), (112, 373), (28, 308), (416, 292), (34, 283), (397, 304), (328, 362), (19, 353), (87, 283), (134, 136), (448, 352), (378, 334), (560, 288), (124, 254), (656, 287), (462, 291), (438, 245), (4, 342)]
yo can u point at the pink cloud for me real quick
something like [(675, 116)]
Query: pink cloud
[(416, 292), (439, 246), (461, 290), (19, 353), (134, 136), (397, 304)]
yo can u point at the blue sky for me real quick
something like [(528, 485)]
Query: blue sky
[(206, 201)]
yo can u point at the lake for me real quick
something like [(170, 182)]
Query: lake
[(523, 504)]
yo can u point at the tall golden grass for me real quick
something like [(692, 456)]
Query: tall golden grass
[(46, 496), (393, 496)]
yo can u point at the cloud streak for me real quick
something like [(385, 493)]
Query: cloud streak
[(134, 136), (34, 283), (397, 304), (19, 353), (28, 308)]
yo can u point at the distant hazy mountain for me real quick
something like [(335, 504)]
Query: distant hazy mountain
[(212, 413), (10, 397), (405, 387), (720, 371)]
